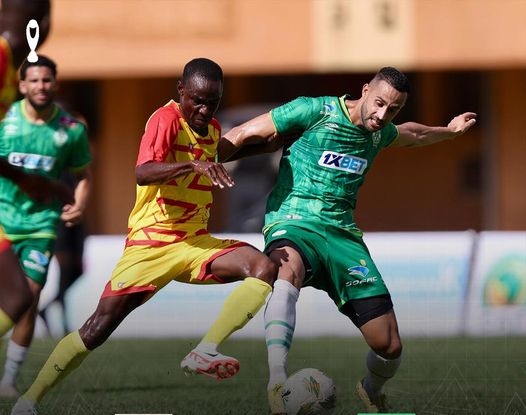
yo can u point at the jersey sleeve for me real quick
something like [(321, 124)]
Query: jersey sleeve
[(296, 115), (390, 134), (81, 155), (158, 137)]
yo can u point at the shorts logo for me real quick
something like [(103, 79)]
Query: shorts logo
[(38, 257), (360, 272), (343, 162), (37, 261)]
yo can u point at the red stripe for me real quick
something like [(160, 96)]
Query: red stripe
[(109, 292)]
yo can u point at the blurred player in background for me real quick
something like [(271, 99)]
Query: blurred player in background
[(14, 47), (15, 295), (39, 136), (309, 226), (69, 253), (168, 236)]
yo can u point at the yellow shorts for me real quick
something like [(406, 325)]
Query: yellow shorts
[(146, 268)]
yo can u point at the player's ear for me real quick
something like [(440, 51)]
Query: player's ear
[(22, 87), (365, 88), (180, 88)]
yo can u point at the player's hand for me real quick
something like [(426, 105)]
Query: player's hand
[(45, 190), (71, 215), (216, 172), (463, 122)]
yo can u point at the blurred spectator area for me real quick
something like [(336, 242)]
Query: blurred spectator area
[(119, 60)]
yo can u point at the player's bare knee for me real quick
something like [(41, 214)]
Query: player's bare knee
[(387, 347), (390, 350), (265, 269)]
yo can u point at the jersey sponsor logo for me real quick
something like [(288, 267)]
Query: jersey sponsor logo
[(32, 161), (344, 162), (329, 109)]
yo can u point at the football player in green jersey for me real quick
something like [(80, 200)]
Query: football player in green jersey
[(38, 136), (309, 225), (15, 295)]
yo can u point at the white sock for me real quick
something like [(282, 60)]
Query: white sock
[(15, 356), (280, 321), (380, 370)]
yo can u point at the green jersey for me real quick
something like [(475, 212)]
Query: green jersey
[(47, 149), (321, 172)]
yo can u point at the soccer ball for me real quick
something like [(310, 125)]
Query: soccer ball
[(309, 392)]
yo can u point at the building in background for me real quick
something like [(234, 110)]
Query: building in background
[(121, 59)]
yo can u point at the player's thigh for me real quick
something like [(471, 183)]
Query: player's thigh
[(290, 260), (241, 262), (15, 296)]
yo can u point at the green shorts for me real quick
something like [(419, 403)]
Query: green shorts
[(34, 256), (337, 260)]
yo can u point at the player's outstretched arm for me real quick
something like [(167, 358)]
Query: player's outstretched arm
[(412, 134), (155, 172), (255, 136)]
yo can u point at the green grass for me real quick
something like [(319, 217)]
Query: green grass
[(449, 376)]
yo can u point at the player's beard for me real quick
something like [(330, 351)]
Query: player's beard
[(365, 118), (40, 106)]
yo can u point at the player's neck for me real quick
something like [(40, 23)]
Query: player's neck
[(354, 110), (38, 116)]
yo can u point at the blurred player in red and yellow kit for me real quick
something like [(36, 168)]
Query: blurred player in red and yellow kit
[(8, 77), (15, 296), (168, 239)]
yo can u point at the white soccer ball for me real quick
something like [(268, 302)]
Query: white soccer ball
[(309, 392)]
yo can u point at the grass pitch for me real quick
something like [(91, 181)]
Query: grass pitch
[(447, 376)]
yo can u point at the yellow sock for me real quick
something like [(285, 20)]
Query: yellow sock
[(239, 307), (5, 323), (67, 356)]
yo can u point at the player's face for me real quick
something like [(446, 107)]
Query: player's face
[(381, 103), (39, 87), (199, 99)]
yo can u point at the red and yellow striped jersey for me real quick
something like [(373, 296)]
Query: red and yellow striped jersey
[(8, 77), (172, 211)]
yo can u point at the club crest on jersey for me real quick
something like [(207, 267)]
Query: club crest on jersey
[(344, 162), (377, 136), (60, 137)]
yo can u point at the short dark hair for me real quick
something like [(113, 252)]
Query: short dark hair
[(41, 61), (393, 77), (203, 67)]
